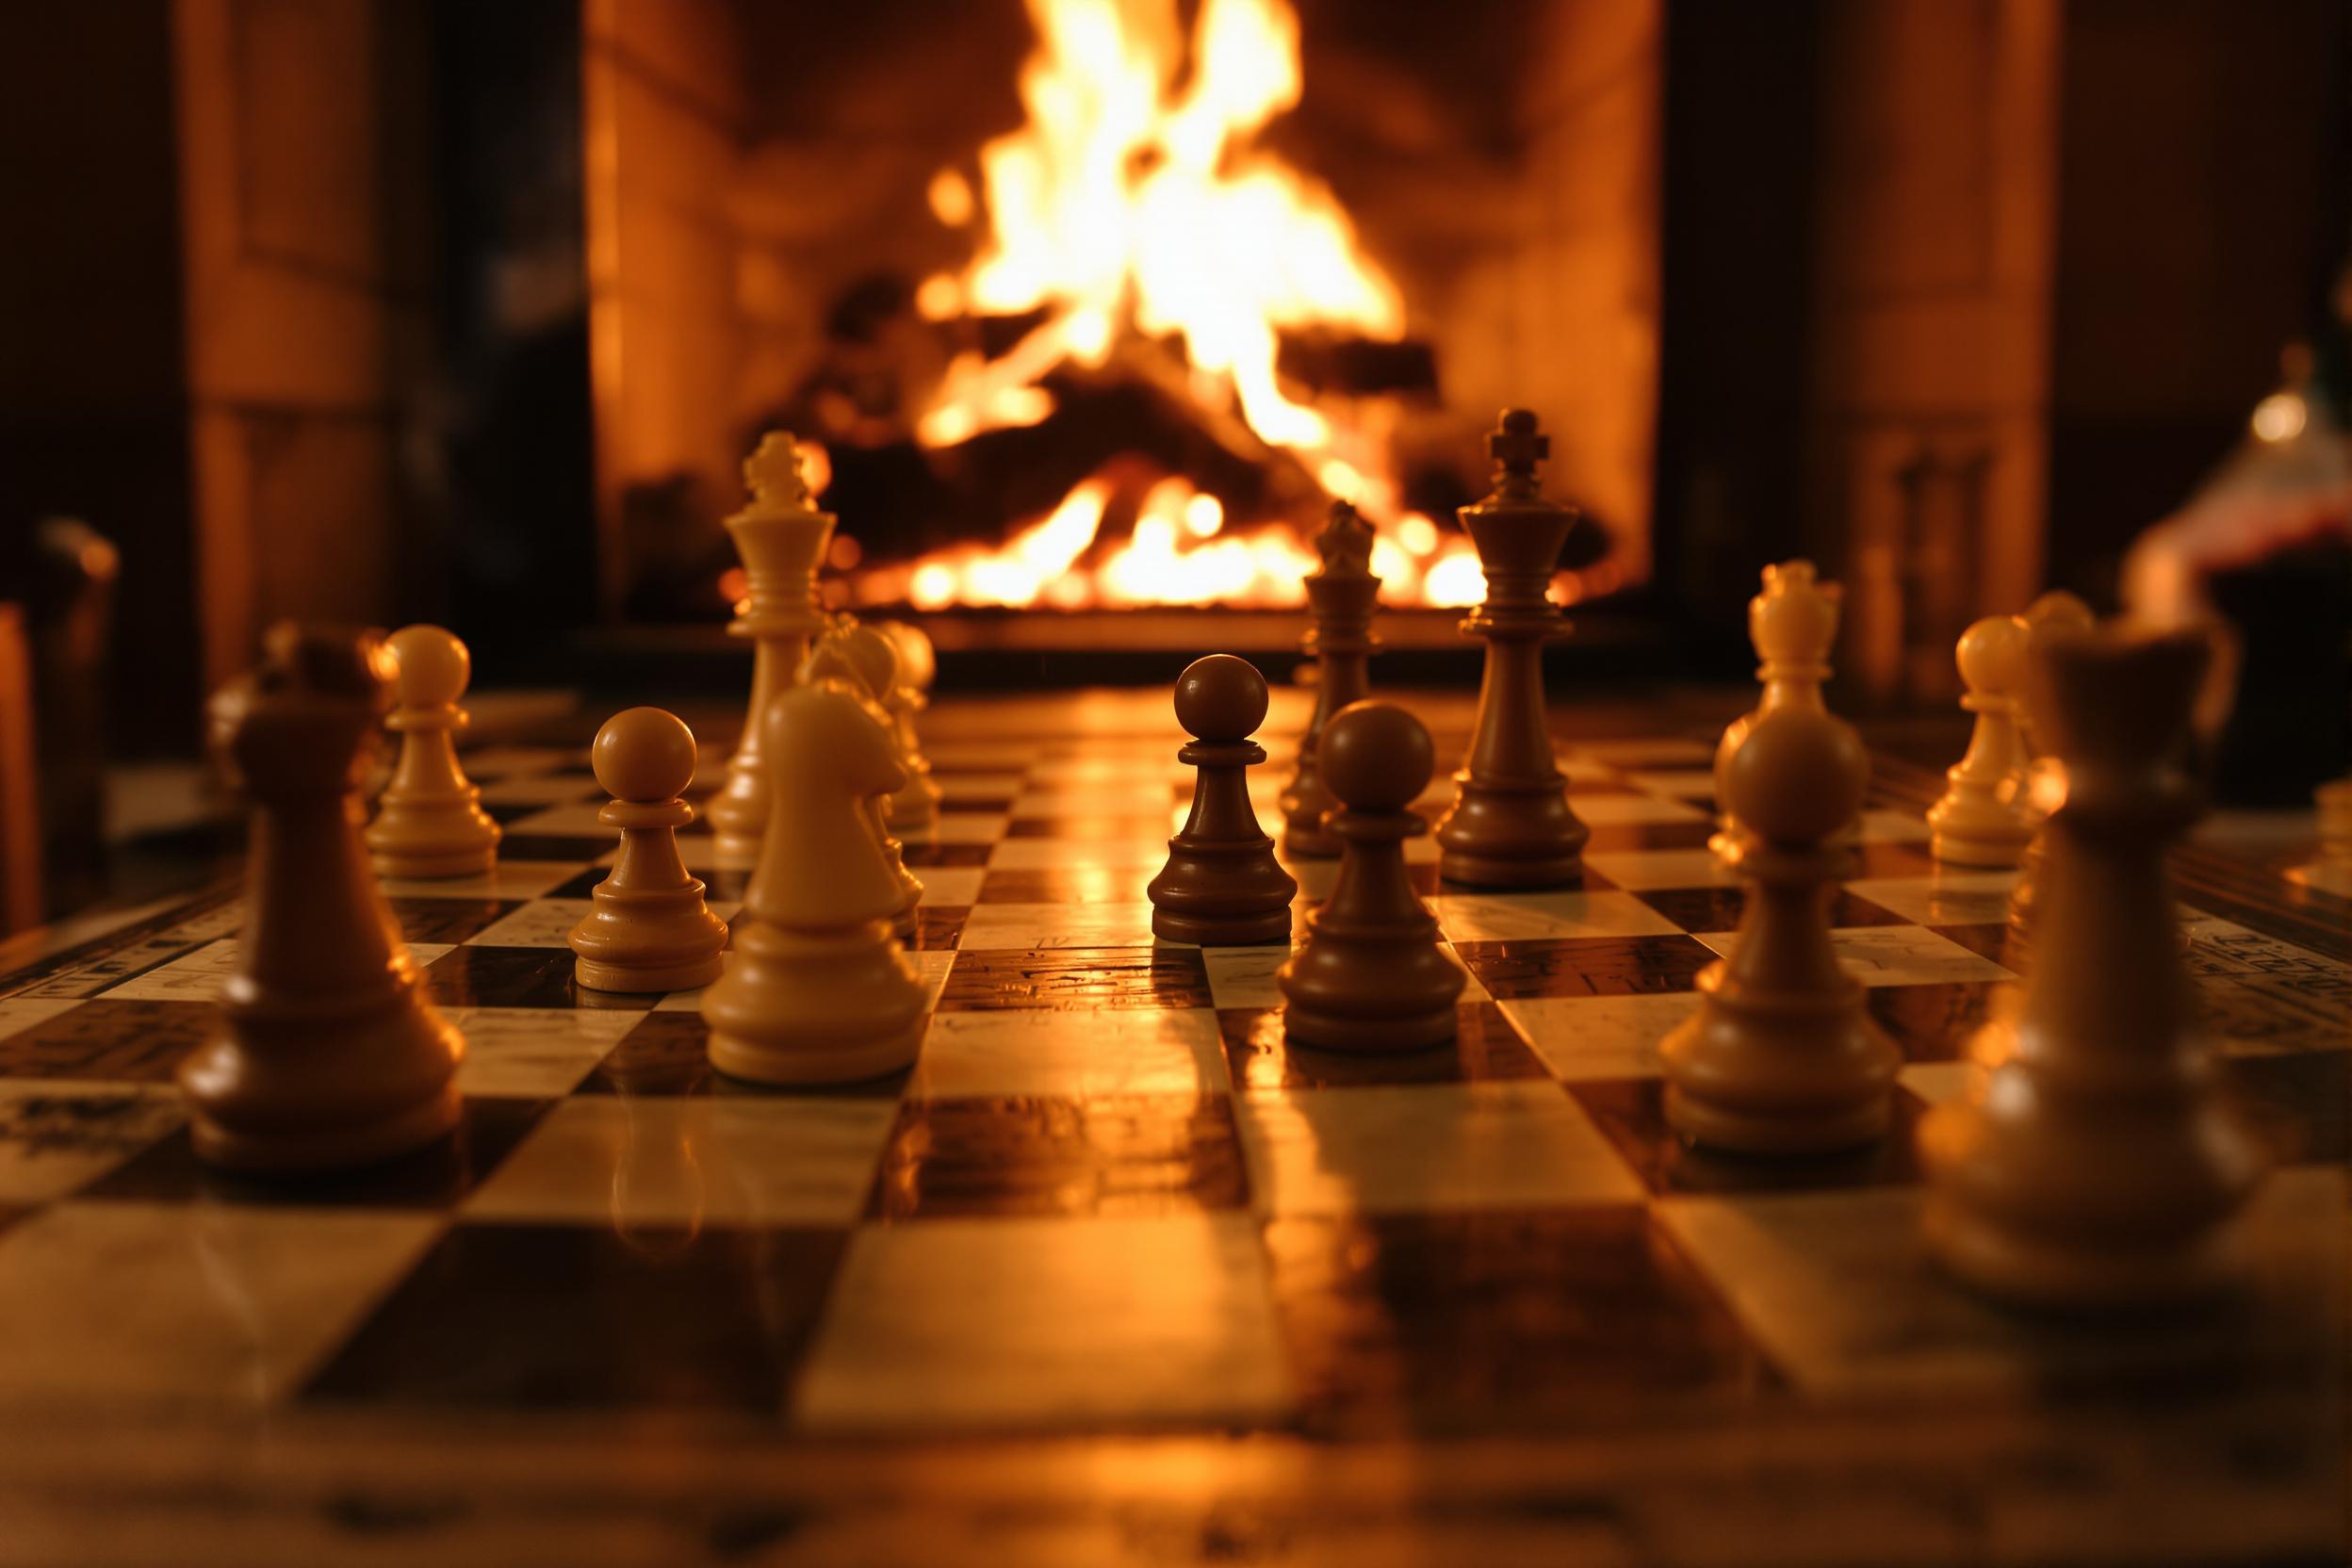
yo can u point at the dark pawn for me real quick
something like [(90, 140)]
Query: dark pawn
[(1221, 886), (1371, 975)]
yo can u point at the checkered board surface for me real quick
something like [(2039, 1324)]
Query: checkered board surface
[(1110, 1197)]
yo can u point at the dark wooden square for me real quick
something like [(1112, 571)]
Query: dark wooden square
[(1631, 1113), (1586, 966), (2301, 1101), (1077, 979), (1062, 885), (1718, 909), (517, 977), (118, 1041), (667, 1054), (557, 846), (1484, 1047), (1933, 1022), (435, 1177), (1625, 837), (561, 1317), (918, 855), (1117, 1154), (1992, 941), (1095, 827), (1497, 1318), (448, 920)]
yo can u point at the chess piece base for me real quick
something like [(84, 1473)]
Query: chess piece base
[(1389, 1032), (1994, 846), (263, 1097), (641, 978), (734, 851), (1511, 836), (2066, 1274), (440, 867), (449, 836), (1778, 1075), (812, 1008), (1171, 925)]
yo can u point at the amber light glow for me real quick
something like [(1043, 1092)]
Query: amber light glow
[(1133, 206)]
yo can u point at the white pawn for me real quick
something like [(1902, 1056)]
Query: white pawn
[(429, 821), (1983, 818), (819, 990), (913, 813), (863, 663), (650, 930)]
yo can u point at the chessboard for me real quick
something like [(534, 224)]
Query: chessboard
[(1115, 1271)]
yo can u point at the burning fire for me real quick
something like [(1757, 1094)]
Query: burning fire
[(1132, 203)]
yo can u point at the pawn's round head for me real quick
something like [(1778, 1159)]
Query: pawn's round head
[(1220, 698), (1799, 777), (1992, 654), (918, 661), (1374, 757), (434, 666), (873, 655), (644, 755)]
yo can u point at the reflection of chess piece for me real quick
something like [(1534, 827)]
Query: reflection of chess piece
[(649, 929), (2097, 1164), (429, 822), (1341, 598), (328, 1054), (1981, 818), (1511, 825), (1792, 624), (913, 813), (863, 663), (819, 990), (1781, 1057), (1371, 975), (782, 537)]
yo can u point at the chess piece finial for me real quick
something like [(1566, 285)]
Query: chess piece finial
[(782, 537), (1781, 1057), (2097, 1164), (1371, 975), (649, 929), (327, 1053), (1511, 825), (429, 822), (1983, 817), (774, 476), (1517, 447), (818, 989), (1345, 542), (1221, 885), (1341, 598)]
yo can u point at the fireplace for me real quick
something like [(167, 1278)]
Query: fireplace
[(1092, 306)]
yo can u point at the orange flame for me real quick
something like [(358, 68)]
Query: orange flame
[(1132, 202)]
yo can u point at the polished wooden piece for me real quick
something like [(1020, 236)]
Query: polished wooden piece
[(1792, 624), (2053, 613), (913, 812), (1221, 885), (863, 663), (818, 991), (1983, 817), (1511, 825), (1341, 597), (1781, 1057), (1371, 974), (782, 537), (429, 821), (649, 929), (328, 1055)]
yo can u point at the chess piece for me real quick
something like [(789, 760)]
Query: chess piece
[(1221, 886), (863, 663), (2097, 1164), (1511, 825), (1792, 624), (327, 1053), (1371, 975), (429, 821), (782, 537), (1983, 817), (818, 991), (650, 930), (1781, 1057), (1341, 598), (2053, 614), (913, 813), (2331, 870)]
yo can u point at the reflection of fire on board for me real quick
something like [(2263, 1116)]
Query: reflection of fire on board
[(1170, 328)]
